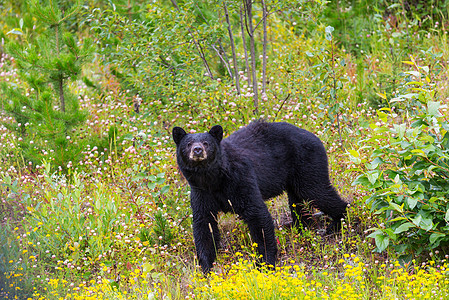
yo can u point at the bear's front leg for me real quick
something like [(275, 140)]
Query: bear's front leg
[(205, 230), (261, 227)]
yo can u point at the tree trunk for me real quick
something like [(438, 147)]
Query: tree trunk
[(249, 12), (242, 22), (61, 92), (60, 86), (234, 58)]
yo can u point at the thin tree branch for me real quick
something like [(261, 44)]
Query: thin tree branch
[(224, 53), (222, 60), (264, 51), (282, 104)]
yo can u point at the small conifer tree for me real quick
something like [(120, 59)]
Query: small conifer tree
[(46, 113)]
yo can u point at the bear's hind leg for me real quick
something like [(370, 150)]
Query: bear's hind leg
[(327, 200), (335, 207)]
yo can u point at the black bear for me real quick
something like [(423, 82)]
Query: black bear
[(237, 174)]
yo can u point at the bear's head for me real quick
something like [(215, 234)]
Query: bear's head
[(199, 148)]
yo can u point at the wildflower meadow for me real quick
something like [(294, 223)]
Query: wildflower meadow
[(93, 205)]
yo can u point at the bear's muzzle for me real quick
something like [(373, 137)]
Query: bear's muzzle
[(197, 152)]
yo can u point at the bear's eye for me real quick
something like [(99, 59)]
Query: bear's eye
[(206, 144), (189, 144)]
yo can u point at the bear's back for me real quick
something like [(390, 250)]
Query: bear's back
[(276, 152), (280, 135)]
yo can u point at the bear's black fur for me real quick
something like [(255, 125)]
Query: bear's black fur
[(237, 174)]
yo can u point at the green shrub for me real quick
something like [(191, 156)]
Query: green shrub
[(407, 175)]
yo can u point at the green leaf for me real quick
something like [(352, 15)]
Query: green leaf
[(426, 224), (417, 220), (400, 129), (382, 241), (435, 236), (412, 201), (372, 176), (354, 153), (16, 31), (404, 227), (397, 219), (383, 96), (419, 152), (354, 156), (114, 285), (415, 83), (362, 180), (98, 203), (414, 73), (390, 233), (397, 180), (329, 30), (396, 207), (147, 267), (375, 163), (382, 116), (433, 108), (430, 140), (165, 189)]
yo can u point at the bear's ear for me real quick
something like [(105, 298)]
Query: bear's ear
[(217, 132), (178, 134)]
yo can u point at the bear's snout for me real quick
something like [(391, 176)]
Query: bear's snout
[(197, 152)]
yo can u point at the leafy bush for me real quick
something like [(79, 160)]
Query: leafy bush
[(407, 175)]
